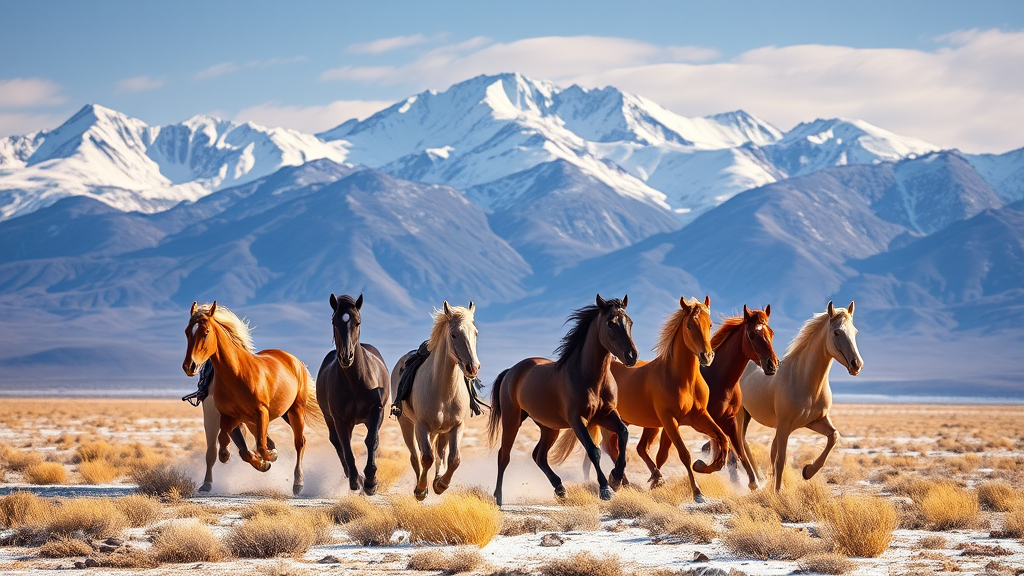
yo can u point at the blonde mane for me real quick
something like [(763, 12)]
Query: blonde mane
[(806, 337), (729, 325), (238, 329), (671, 326), (439, 332)]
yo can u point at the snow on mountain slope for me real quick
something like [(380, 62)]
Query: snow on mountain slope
[(123, 162), (1004, 172)]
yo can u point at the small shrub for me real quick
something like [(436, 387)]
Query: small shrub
[(584, 564), (202, 512), (859, 525), (373, 529), (98, 471), (576, 518), (675, 491), (1014, 522), (933, 542), (460, 518), (580, 495), (139, 510), (350, 508), (22, 508), (946, 507), (19, 460), (65, 547), (630, 503), (389, 471), (450, 562), (826, 563), (96, 517), (93, 451), (512, 526), (128, 557), (266, 508), (997, 496), (671, 521), (187, 541), (768, 540), (46, 473), (268, 536), (164, 481)]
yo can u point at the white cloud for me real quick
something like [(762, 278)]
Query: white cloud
[(310, 119), (388, 44), (225, 68), (140, 84), (967, 92), (29, 93)]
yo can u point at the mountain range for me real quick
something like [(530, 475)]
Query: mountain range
[(521, 195)]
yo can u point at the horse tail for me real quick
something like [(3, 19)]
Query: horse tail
[(494, 418), (314, 416), (566, 444)]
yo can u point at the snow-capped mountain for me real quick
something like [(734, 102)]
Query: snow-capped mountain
[(131, 166)]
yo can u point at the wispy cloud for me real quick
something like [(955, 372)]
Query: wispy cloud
[(29, 93), (140, 84), (231, 67), (388, 44), (310, 119)]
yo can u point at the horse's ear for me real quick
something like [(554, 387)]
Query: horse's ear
[(707, 301), (447, 309), (746, 312), (683, 304), (213, 308), (850, 308), (334, 303), (625, 300), (472, 307), (195, 306), (601, 304), (359, 302), (768, 311), (831, 310)]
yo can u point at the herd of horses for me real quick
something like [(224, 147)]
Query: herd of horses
[(595, 387)]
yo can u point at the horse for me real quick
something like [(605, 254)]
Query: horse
[(352, 388), (668, 392), (575, 391), (799, 395), (251, 388), (434, 413)]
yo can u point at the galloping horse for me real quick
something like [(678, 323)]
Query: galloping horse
[(438, 404), (668, 392), (576, 391), (352, 388), (799, 395), (250, 388)]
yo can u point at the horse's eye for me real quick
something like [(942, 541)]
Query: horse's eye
[(837, 332), (453, 336)]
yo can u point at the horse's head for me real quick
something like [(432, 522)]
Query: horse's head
[(696, 328), (200, 337), (462, 331), (757, 345), (346, 320), (842, 340), (616, 329)]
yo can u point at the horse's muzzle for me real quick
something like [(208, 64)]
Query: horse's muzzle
[(769, 367), (190, 368), (345, 361), (706, 358), (855, 368), (471, 370), (630, 358)]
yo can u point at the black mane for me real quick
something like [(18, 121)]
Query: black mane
[(573, 340)]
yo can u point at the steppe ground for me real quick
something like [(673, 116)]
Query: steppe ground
[(948, 479)]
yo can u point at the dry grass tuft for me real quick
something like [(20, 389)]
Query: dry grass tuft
[(675, 491), (630, 503), (128, 558), (187, 541), (859, 525), (933, 542), (580, 495), (269, 536), (95, 517), (826, 563), (21, 509), (753, 537), (266, 508), (164, 481), (350, 508), (389, 471), (576, 518), (65, 547), (449, 562), (373, 529), (98, 472), (997, 496), (204, 513), (139, 510), (946, 507), (19, 460), (1014, 522), (584, 564), (678, 524), (460, 518), (46, 473)]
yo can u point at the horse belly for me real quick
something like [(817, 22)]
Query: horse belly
[(634, 403)]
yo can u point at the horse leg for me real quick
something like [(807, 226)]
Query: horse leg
[(511, 419), (779, 455), (579, 427), (262, 425), (298, 425), (739, 453), (224, 440), (548, 436), (664, 445), (701, 422), (271, 449), (440, 450), (742, 421), (210, 426), (824, 427), (373, 422), (454, 438), (332, 435), (408, 434), (227, 425), (610, 445), (614, 424), (671, 427), (426, 459), (643, 448), (345, 439)]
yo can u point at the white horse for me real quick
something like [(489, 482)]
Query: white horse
[(799, 395), (433, 414)]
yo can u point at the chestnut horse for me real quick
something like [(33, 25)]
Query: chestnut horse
[(438, 405), (250, 388), (668, 392), (352, 388), (576, 391), (799, 395)]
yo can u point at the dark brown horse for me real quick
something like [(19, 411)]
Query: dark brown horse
[(573, 392), (352, 388)]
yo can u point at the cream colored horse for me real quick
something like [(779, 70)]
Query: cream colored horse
[(433, 415), (799, 395)]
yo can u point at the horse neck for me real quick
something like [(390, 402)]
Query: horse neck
[(730, 361), (445, 371), (360, 364), (595, 361), (680, 366), (811, 368), (230, 360)]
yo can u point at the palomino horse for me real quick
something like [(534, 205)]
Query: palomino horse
[(433, 414), (799, 395), (668, 392), (251, 388), (352, 388), (576, 391)]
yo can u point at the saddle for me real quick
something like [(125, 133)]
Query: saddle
[(205, 379), (408, 375)]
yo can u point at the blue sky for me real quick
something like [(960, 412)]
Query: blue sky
[(951, 73)]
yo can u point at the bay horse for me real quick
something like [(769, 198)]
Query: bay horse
[(433, 415), (250, 388), (668, 392), (799, 395), (352, 388), (575, 391)]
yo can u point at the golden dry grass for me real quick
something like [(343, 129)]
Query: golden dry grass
[(1014, 522), (128, 558), (584, 564), (266, 508), (998, 496), (859, 525), (686, 526), (64, 547), (580, 495), (96, 517), (204, 513), (350, 508), (947, 507), (460, 518), (576, 518), (630, 503), (46, 473), (767, 539), (187, 541), (456, 561), (389, 471), (674, 491), (269, 536), (98, 472), (19, 509), (19, 460), (139, 510), (826, 563), (374, 528), (164, 481)]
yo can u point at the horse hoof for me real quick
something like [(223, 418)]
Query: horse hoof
[(420, 495), (806, 475), (370, 487), (262, 465), (606, 492), (296, 488), (656, 481), (560, 492), (206, 487), (614, 483), (224, 456), (439, 487), (753, 486), (703, 468), (271, 455), (699, 498)]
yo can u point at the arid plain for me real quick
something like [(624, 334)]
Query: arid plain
[(911, 489)]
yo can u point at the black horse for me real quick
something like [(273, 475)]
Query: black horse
[(352, 388)]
